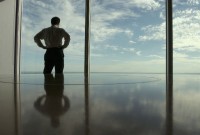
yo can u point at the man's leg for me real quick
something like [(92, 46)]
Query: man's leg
[(59, 61), (48, 67), (59, 66), (49, 63)]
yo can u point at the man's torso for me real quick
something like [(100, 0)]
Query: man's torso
[(53, 36)]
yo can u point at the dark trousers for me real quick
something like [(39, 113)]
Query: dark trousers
[(54, 57)]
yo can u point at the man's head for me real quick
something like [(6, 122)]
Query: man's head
[(55, 21)]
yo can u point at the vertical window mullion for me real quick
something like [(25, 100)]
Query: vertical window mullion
[(169, 42), (169, 37), (87, 39)]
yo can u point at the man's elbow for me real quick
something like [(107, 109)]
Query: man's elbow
[(35, 38), (69, 38)]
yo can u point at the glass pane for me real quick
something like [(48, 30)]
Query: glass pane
[(186, 29), (186, 36), (38, 117), (128, 36), (7, 37), (36, 16)]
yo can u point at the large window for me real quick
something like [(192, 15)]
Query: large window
[(126, 36)]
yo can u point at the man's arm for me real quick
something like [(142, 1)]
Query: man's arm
[(67, 39), (38, 37)]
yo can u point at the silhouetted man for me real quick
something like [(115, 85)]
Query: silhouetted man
[(54, 56)]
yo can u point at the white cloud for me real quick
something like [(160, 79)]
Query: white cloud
[(162, 15), (194, 1), (156, 56), (102, 32), (112, 47), (132, 42), (179, 55), (103, 17), (185, 30), (142, 4), (138, 53), (154, 32), (128, 49), (146, 4), (129, 33)]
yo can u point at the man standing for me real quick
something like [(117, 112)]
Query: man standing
[(54, 56)]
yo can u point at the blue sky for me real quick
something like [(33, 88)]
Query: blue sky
[(126, 36)]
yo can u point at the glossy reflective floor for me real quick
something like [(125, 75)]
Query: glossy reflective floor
[(106, 104)]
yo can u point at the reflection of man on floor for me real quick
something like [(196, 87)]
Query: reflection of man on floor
[(54, 103), (54, 56)]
